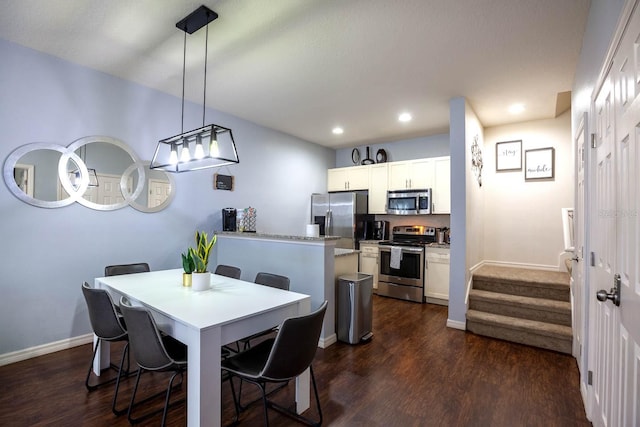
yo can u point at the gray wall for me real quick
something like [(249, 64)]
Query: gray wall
[(406, 149), (48, 253)]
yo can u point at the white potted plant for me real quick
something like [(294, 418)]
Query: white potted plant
[(201, 277)]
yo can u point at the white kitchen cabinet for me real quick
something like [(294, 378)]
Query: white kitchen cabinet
[(436, 275), (411, 175), (369, 260), (348, 179), (442, 186), (378, 176)]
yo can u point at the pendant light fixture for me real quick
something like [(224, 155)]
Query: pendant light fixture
[(206, 147), (76, 174)]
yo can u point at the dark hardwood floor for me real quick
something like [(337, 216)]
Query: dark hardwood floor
[(414, 372)]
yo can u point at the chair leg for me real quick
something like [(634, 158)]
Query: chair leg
[(299, 417), (133, 397), (265, 403), (93, 358), (167, 395), (120, 374), (236, 406)]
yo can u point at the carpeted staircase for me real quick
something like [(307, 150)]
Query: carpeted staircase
[(525, 306)]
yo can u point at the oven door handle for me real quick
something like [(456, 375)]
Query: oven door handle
[(404, 249)]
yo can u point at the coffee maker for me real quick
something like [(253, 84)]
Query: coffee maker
[(380, 230), (229, 219)]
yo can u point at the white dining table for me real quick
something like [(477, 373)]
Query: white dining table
[(205, 321)]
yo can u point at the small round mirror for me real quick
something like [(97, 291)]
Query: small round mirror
[(158, 189), (31, 174)]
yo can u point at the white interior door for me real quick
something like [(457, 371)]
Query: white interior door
[(616, 231), (158, 192), (626, 74), (579, 293), (603, 319)]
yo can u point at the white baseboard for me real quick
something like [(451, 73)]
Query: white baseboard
[(522, 265), (40, 350), (326, 342), (455, 324)]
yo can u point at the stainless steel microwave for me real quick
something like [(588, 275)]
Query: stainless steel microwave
[(409, 202)]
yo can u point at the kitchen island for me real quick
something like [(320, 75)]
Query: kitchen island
[(309, 262)]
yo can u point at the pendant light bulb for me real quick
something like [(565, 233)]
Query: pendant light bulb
[(214, 151), (199, 154), (173, 157), (185, 155)]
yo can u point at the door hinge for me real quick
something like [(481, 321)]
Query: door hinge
[(593, 141), (592, 260), (590, 378)]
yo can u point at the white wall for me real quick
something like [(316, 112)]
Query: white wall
[(523, 218), (48, 253)]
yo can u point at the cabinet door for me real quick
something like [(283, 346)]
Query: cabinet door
[(358, 178), (442, 188), (337, 179), (399, 175), (422, 174), (378, 188)]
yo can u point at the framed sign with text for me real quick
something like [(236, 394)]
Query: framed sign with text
[(539, 163), (509, 156)]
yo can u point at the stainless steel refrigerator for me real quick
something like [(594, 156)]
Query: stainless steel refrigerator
[(341, 214)]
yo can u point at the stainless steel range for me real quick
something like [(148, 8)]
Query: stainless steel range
[(401, 263)]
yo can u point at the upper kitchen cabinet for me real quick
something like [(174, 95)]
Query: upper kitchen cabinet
[(411, 175), (348, 179), (442, 186), (378, 176)]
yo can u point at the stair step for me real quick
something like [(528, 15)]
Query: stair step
[(541, 309), (524, 282), (524, 331)]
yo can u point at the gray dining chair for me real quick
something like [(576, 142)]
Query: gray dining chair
[(108, 325), (228, 271), (153, 352), (119, 269), (280, 360), (274, 281)]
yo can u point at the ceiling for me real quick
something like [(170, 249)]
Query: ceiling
[(306, 66)]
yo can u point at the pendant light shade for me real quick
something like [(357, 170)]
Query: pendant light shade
[(209, 146)]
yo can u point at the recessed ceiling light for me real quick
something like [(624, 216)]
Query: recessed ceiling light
[(337, 130), (405, 117), (516, 108)]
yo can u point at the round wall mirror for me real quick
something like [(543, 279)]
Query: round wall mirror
[(106, 160), (158, 188), (31, 174), (98, 172)]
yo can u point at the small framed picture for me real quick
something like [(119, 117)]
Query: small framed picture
[(539, 163), (509, 156)]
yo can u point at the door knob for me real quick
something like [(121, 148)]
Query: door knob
[(613, 294)]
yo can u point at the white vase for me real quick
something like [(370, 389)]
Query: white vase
[(201, 281)]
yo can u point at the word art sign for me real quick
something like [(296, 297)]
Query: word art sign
[(509, 156), (539, 163)]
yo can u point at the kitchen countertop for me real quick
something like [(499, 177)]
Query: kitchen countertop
[(269, 236), (344, 252)]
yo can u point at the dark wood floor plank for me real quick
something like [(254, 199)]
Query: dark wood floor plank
[(414, 372)]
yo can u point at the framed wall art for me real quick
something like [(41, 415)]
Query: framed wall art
[(509, 156), (539, 164)]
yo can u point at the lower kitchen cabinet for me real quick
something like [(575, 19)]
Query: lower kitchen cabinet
[(369, 261), (436, 277)]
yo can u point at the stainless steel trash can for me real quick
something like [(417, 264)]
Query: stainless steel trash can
[(355, 310)]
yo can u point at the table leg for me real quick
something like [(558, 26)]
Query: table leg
[(302, 392), (302, 382), (204, 376), (103, 356)]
